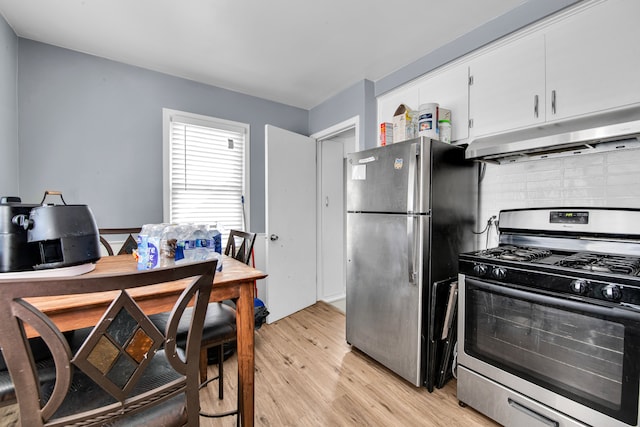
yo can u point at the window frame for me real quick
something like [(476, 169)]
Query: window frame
[(207, 121)]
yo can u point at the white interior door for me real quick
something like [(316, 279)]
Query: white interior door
[(290, 198)]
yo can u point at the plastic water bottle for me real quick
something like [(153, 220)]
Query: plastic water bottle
[(179, 251), (200, 239), (183, 232), (168, 245), (153, 245), (143, 247), (189, 243), (215, 245), (219, 258), (216, 239)]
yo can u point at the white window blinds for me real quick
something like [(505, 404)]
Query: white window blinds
[(207, 171)]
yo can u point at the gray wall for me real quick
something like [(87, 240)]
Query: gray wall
[(92, 128), (357, 100), (8, 111)]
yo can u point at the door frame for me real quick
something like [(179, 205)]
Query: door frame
[(320, 137)]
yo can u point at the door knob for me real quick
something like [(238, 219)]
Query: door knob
[(273, 237)]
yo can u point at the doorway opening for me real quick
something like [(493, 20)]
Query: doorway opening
[(333, 146)]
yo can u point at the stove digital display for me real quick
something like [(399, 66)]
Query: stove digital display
[(564, 217)]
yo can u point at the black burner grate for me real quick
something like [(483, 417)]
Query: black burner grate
[(515, 253), (617, 264)]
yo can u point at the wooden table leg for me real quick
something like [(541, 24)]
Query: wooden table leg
[(246, 361)]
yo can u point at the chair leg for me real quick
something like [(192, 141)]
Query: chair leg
[(220, 377), (203, 365), (220, 371)]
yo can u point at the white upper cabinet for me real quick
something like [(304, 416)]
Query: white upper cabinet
[(507, 88), (450, 90), (593, 62), (579, 63)]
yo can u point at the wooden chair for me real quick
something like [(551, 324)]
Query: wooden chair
[(44, 365), (129, 244), (220, 322), (42, 357), (240, 245), (127, 371)]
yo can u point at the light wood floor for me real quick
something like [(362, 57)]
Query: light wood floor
[(307, 375)]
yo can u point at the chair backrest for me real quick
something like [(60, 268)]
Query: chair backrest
[(124, 368), (129, 244), (240, 245)]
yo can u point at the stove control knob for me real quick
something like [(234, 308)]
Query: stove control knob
[(499, 273), (612, 292), (480, 270), (579, 286)]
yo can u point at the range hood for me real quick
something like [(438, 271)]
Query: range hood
[(615, 130)]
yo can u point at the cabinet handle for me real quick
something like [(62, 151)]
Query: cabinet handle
[(553, 101), (535, 106)]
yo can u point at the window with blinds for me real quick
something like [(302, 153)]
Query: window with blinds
[(206, 170)]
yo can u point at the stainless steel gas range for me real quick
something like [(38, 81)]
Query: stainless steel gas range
[(549, 320)]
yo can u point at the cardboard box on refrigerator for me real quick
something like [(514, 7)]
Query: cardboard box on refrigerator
[(386, 133), (403, 125)]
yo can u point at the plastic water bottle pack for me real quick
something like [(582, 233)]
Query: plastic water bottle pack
[(161, 245)]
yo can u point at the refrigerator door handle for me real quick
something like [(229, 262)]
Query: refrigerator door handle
[(412, 177), (412, 239)]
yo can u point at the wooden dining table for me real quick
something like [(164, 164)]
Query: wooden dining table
[(235, 281)]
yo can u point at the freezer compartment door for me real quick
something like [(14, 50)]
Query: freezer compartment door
[(384, 291), (394, 178)]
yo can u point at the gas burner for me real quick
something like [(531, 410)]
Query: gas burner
[(515, 253), (617, 264)]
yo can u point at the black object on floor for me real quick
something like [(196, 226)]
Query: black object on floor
[(229, 348), (260, 314)]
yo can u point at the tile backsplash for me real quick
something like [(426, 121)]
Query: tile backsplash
[(607, 179)]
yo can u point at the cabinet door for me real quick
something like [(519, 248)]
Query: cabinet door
[(389, 102), (592, 59), (508, 84), (450, 89)]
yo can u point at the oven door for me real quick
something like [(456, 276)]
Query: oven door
[(573, 356)]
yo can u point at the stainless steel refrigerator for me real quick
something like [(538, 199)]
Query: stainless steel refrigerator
[(411, 209)]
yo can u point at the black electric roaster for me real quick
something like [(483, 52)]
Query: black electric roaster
[(36, 237)]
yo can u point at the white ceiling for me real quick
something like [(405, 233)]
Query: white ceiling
[(298, 52)]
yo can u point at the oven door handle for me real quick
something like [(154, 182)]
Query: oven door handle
[(554, 301), (533, 414)]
